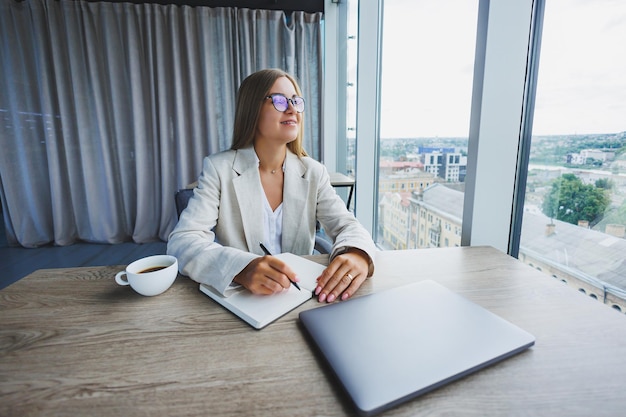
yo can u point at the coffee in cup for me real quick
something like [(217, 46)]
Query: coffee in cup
[(151, 275)]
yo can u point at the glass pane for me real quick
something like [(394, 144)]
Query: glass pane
[(427, 76), (574, 220)]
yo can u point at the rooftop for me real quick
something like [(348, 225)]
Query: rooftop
[(590, 255), (442, 199)]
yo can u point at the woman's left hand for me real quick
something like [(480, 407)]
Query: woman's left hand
[(343, 276)]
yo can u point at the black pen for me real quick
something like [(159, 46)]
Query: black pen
[(269, 254)]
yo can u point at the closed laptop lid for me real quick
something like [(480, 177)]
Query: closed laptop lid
[(388, 347)]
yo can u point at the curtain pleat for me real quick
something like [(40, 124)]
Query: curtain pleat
[(108, 108)]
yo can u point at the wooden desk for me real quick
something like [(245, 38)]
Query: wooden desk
[(74, 343)]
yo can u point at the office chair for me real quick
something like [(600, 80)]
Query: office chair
[(182, 196)]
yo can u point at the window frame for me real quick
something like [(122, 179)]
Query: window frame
[(507, 36)]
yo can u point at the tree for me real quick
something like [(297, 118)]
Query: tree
[(570, 200), (604, 183)]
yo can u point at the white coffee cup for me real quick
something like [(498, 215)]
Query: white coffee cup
[(151, 275)]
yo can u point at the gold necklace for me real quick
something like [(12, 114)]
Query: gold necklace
[(273, 171)]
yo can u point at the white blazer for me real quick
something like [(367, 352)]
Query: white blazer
[(219, 232)]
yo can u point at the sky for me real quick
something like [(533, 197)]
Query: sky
[(428, 68), (582, 70)]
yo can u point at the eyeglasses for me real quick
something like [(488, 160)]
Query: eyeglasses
[(281, 102)]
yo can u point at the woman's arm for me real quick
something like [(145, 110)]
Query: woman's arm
[(352, 256)]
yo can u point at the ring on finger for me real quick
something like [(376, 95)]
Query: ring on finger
[(350, 277)]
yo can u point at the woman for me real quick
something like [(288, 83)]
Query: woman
[(265, 189)]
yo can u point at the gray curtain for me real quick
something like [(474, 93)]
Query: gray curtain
[(108, 108)]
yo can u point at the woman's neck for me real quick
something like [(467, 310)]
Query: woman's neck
[(271, 159)]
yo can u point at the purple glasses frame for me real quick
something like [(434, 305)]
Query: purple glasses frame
[(281, 102)]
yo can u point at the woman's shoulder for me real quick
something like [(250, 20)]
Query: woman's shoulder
[(313, 167), (226, 155), (218, 162), (310, 162)]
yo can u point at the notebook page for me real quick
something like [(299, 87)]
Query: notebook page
[(306, 270)]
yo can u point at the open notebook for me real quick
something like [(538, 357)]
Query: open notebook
[(260, 310)]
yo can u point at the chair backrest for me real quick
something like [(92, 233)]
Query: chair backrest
[(323, 245), (181, 198)]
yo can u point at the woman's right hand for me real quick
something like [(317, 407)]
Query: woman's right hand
[(266, 275)]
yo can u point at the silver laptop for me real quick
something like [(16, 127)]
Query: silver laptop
[(388, 347)]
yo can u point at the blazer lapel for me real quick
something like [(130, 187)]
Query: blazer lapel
[(295, 192), (249, 194)]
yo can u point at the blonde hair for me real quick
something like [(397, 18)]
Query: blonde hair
[(250, 99)]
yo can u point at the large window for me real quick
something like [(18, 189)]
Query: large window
[(542, 169), (426, 87), (574, 222)]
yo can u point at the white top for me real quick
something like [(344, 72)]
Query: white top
[(272, 223), (272, 227)]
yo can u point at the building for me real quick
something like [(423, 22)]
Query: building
[(436, 217), (592, 262), (388, 167), (454, 167), (446, 163), (587, 156), (433, 161), (426, 219), (394, 224), (406, 182)]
